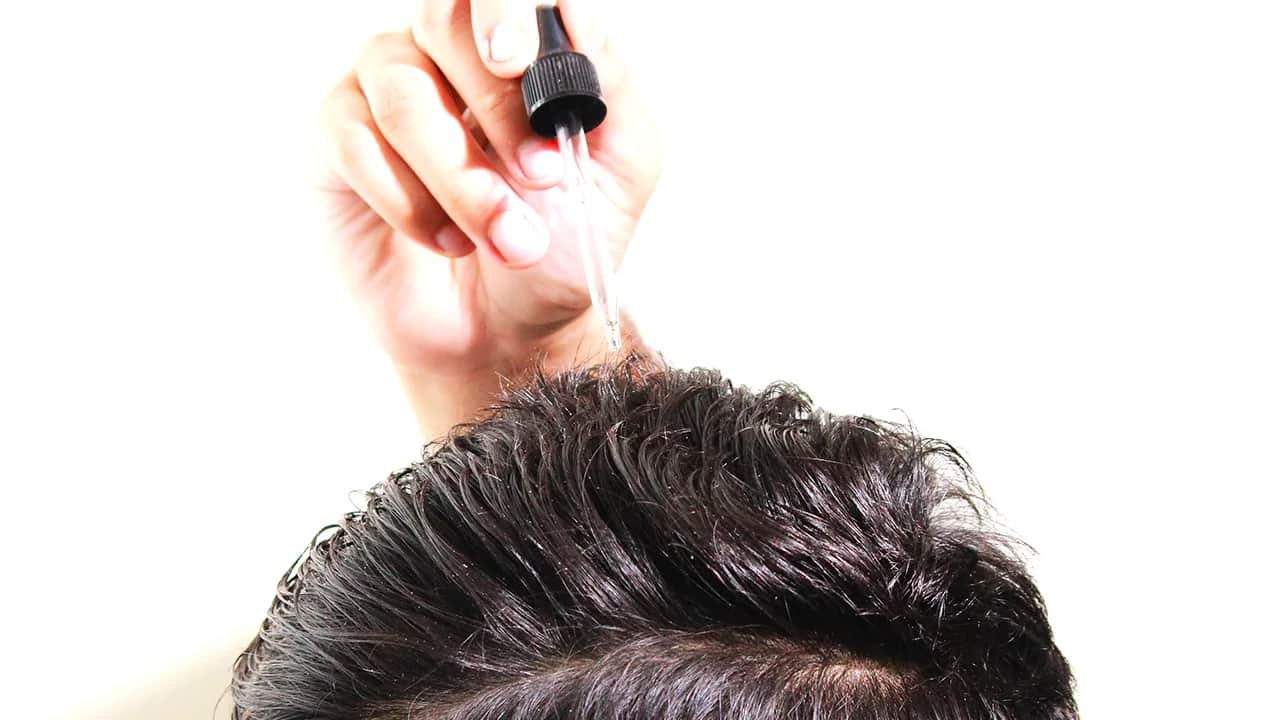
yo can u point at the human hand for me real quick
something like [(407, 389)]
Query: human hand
[(437, 192)]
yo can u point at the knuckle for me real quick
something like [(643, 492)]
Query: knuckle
[(498, 104), (350, 142), (389, 89), (386, 74), (475, 193), (332, 106), (452, 198), (341, 126), (437, 17), (495, 113), (341, 97)]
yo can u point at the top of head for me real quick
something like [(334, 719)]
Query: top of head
[(640, 543)]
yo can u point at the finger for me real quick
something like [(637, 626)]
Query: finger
[(506, 35), (413, 107), (444, 31), (368, 165), (628, 143)]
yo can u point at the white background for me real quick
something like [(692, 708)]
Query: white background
[(1044, 231)]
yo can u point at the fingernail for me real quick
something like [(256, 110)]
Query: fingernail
[(506, 42), (540, 161), (452, 241), (519, 238)]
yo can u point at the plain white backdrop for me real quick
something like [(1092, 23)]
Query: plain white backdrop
[(1043, 231)]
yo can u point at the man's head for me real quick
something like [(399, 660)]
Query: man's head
[(648, 544)]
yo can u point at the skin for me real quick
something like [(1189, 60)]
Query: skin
[(443, 206)]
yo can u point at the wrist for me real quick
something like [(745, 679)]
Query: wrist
[(443, 397), (577, 343)]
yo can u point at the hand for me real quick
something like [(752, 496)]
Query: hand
[(437, 189)]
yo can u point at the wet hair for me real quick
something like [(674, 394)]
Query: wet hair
[(637, 542)]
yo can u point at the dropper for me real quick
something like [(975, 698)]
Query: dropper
[(563, 100)]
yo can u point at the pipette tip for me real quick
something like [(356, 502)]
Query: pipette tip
[(613, 335)]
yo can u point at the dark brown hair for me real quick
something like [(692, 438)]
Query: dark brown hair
[(641, 543)]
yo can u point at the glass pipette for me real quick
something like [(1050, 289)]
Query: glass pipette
[(593, 245)]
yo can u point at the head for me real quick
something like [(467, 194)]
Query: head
[(642, 543)]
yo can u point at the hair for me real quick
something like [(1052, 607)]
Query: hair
[(636, 542)]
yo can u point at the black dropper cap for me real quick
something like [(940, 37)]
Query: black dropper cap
[(560, 82)]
